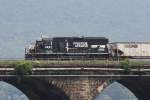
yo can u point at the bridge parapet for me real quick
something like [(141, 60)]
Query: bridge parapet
[(80, 70)]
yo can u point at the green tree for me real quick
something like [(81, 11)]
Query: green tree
[(23, 68), (125, 64)]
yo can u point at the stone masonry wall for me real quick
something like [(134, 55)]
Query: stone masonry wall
[(80, 88)]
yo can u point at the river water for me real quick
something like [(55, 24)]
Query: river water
[(116, 91)]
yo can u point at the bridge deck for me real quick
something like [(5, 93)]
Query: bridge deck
[(74, 63), (78, 67)]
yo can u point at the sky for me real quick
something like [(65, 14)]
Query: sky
[(22, 21)]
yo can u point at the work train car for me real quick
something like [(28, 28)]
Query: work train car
[(68, 47), (130, 49)]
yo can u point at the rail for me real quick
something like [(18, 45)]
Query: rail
[(79, 75), (74, 69)]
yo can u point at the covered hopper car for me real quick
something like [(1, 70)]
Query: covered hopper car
[(130, 49)]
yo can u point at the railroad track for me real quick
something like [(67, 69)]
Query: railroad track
[(81, 66), (78, 69)]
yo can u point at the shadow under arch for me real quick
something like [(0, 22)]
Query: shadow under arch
[(37, 88), (139, 86)]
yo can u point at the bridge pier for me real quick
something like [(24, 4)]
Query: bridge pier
[(80, 88)]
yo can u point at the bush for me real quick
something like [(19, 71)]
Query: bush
[(23, 68), (125, 64)]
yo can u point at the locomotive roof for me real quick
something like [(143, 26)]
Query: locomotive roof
[(46, 38), (95, 37), (83, 37)]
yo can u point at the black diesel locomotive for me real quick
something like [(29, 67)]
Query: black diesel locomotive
[(68, 47)]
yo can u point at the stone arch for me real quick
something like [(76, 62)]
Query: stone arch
[(116, 91), (139, 86), (37, 88)]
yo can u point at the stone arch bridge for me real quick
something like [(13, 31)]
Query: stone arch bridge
[(77, 82), (76, 87)]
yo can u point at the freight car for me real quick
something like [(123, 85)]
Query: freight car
[(130, 49), (68, 47)]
